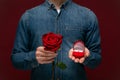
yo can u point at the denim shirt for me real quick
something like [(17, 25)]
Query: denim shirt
[(74, 22)]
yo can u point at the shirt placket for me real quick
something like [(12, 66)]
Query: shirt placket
[(58, 31)]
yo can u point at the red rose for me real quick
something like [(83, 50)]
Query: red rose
[(78, 49), (52, 41)]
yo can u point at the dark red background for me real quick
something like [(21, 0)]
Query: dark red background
[(108, 13)]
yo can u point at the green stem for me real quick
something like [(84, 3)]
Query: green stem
[(53, 70)]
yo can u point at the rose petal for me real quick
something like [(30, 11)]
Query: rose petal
[(52, 41)]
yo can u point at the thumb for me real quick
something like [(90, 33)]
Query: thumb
[(70, 52)]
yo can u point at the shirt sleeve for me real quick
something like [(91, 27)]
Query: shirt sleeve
[(92, 42), (22, 57)]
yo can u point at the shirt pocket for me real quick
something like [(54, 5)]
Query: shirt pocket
[(73, 32)]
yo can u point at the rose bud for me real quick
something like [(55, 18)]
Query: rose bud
[(52, 41)]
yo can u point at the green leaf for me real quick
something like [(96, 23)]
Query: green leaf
[(61, 65), (59, 49)]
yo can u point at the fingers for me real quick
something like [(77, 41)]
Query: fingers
[(45, 60), (41, 48), (77, 60), (44, 54), (41, 52), (81, 60), (44, 57), (87, 52), (42, 60), (70, 53)]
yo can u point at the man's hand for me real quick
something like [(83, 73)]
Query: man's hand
[(77, 60), (44, 57)]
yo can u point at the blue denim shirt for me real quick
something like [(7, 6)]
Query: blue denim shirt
[(74, 22)]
